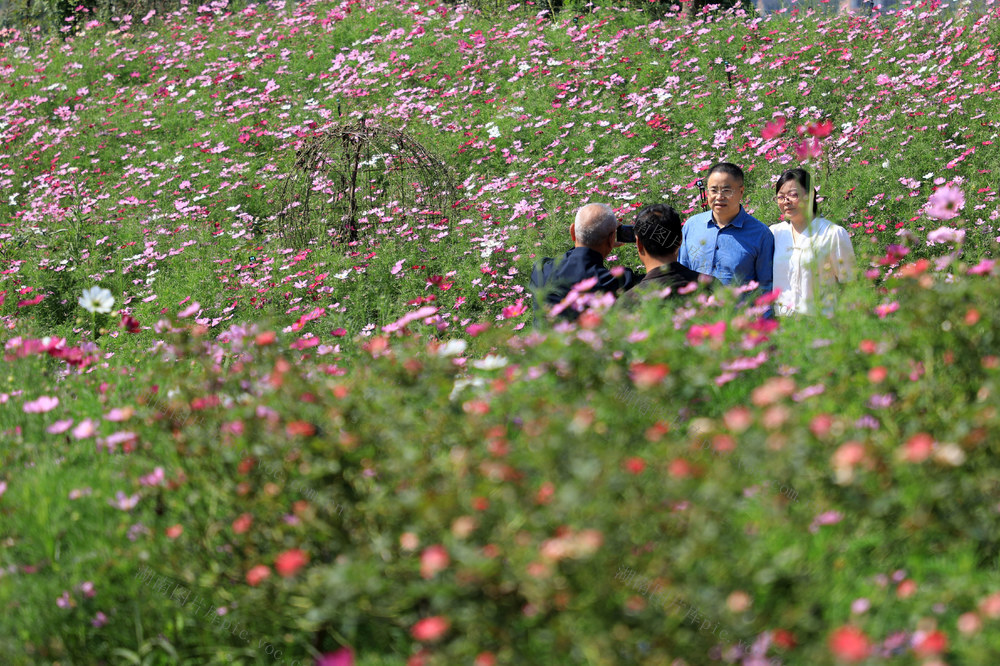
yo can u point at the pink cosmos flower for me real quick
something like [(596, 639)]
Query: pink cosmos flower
[(946, 235), (432, 560), (42, 405), (86, 428), (984, 267), (699, 333), (189, 310), (515, 310), (99, 620), (123, 501), (257, 574), (772, 130), (808, 149), (827, 518), (430, 628), (342, 657), (59, 427), (885, 309), (945, 203)]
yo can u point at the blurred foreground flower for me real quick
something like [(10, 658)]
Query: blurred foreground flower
[(430, 628), (290, 561), (850, 644), (946, 235), (342, 657), (97, 300), (945, 203)]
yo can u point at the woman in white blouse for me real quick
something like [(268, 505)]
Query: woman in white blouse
[(811, 254)]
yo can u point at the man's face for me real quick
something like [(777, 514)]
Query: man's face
[(724, 195)]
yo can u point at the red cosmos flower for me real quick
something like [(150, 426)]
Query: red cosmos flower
[(918, 448), (850, 644), (430, 628), (290, 561), (646, 375), (175, 531), (485, 659), (257, 574), (821, 129), (130, 323), (635, 465), (772, 130), (784, 638), (680, 468), (933, 643), (242, 523), (432, 560), (821, 424)]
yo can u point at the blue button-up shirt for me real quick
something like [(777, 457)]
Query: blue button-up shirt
[(741, 251)]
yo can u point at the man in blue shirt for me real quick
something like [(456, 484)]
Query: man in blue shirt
[(726, 241), (594, 237)]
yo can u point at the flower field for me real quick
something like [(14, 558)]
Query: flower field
[(225, 443)]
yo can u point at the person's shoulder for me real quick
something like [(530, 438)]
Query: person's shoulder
[(701, 217), (836, 228), (751, 222)]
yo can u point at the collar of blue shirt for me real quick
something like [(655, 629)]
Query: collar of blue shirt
[(737, 221)]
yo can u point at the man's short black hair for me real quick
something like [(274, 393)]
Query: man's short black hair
[(658, 226), (727, 168)]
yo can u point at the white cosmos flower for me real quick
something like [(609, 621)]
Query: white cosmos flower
[(453, 347), (491, 362), (97, 299)]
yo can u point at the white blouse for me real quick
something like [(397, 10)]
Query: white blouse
[(805, 273)]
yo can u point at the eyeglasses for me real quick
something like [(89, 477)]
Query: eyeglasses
[(725, 192), (791, 198)]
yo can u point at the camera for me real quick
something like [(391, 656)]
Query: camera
[(625, 234)]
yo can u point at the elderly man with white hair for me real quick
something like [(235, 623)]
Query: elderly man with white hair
[(594, 237)]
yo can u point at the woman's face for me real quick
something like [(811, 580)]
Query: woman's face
[(792, 200)]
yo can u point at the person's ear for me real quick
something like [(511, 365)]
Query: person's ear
[(572, 231), (640, 248)]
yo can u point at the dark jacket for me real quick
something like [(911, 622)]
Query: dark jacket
[(552, 280), (674, 275)]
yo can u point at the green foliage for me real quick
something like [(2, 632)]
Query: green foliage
[(538, 480)]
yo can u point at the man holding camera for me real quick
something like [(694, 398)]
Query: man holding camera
[(658, 241), (595, 235)]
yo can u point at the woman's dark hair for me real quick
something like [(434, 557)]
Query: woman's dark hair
[(800, 176)]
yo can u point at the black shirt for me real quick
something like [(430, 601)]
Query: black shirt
[(674, 275), (552, 280)]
